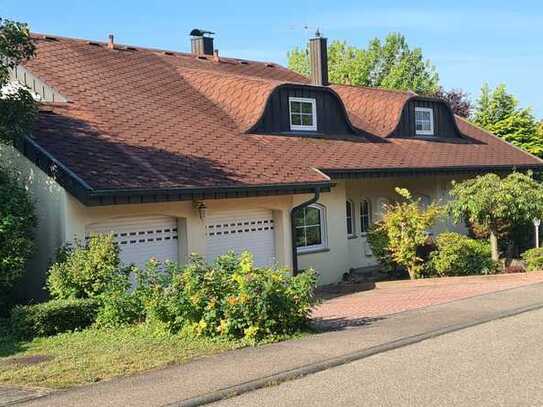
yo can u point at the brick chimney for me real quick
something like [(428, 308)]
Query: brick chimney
[(201, 42), (318, 57)]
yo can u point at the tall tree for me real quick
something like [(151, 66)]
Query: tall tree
[(493, 203), (498, 111), (390, 63), (17, 112), (17, 106), (458, 100)]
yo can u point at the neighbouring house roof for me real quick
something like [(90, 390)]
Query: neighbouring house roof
[(148, 120)]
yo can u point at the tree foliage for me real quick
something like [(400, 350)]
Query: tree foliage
[(17, 111), (17, 106), (390, 63), (492, 203), (406, 225), (17, 222), (498, 111), (458, 100)]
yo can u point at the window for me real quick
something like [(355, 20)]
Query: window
[(310, 226), (424, 121), (349, 218), (303, 114), (365, 215)]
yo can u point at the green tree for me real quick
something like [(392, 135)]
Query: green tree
[(17, 222), (17, 112), (17, 107), (406, 225), (390, 63), (498, 111), (492, 203)]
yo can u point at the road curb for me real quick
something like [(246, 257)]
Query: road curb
[(302, 371)]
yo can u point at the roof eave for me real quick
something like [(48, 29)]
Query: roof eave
[(89, 196), (450, 170)]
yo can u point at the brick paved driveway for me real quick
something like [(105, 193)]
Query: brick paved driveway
[(391, 297)]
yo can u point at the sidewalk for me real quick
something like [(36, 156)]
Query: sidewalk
[(206, 379)]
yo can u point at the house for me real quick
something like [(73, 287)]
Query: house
[(178, 153)]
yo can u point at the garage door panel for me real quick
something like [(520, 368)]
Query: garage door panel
[(239, 231), (141, 238)]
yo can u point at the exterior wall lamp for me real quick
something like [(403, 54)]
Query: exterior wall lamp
[(202, 209)]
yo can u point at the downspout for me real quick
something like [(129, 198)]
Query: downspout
[(293, 227)]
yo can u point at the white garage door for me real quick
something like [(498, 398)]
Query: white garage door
[(141, 238), (247, 230)]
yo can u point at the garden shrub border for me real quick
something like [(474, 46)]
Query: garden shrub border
[(53, 317)]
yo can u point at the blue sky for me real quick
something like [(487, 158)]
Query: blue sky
[(470, 42)]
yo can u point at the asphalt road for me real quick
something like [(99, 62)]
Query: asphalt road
[(499, 363)]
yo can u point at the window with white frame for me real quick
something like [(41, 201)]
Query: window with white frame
[(424, 121), (303, 114), (310, 228), (365, 215), (349, 217)]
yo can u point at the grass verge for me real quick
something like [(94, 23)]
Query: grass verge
[(96, 354)]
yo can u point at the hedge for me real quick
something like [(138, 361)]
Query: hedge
[(53, 317)]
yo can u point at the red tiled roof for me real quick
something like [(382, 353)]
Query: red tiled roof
[(140, 118)]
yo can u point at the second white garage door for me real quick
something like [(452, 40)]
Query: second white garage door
[(141, 238), (251, 230)]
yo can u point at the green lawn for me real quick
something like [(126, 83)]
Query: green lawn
[(92, 355)]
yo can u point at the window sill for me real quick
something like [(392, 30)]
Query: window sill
[(352, 237), (313, 251)]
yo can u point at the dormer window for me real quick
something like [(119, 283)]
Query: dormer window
[(424, 121), (303, 114)]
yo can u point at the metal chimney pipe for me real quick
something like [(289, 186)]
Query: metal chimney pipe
[(111, 42)]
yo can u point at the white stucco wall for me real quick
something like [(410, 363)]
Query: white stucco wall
[(333, 261), (191, 228), (50, 202), (380, 190)]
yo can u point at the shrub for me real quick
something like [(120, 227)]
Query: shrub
[(459, 255), (119, 308), (234, 298), (155, 297), (53, 317), (87, 271), (17, 223), (378, 240), (533, 259), (230, 298), (406, 226)]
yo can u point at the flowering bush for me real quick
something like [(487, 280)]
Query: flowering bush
[(234, 298), (230, 298)]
